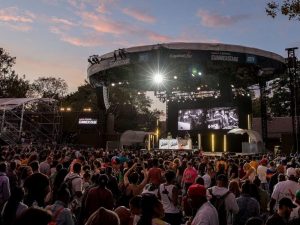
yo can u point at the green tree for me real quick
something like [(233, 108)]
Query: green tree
[(11, 84), (49, 87), (290, 8), (84, 97), (279, 100)]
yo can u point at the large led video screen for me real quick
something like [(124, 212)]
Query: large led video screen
[(217, 118)]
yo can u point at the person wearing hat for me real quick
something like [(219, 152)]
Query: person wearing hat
[(206, 212), (296, 211), (286, 188), (220, 191), (281, 217)]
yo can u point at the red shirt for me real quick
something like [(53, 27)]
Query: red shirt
[(154, 176), (98, 197), (189, 175)]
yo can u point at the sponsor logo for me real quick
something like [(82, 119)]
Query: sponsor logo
[(186, 55), (223, 56)]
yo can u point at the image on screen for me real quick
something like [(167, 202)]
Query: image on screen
[(217, 118)]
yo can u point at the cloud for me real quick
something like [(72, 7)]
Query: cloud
[(61, 21), (214, 20), (139, 15), (14, 14), (19, 27), (87, 41), (158, 37), (102, 24)]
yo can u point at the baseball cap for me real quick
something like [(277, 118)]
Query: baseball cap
[(286, 202), (264, 161), (197, 190), (291, 172)]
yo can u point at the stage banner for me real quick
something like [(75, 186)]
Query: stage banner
[(168, 144)]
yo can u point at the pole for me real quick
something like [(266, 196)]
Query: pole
[(3, 119), (263, 109), (21, 122), (292, 72)]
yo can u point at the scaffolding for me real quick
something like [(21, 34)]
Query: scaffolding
[(29, 120)]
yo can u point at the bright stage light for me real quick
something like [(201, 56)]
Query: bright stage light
[(199, 73), (158, 78), (175, 77)]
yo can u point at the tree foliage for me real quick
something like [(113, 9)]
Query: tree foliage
[(279, 100), (290, 8), (84, 97), (131, 109), (11, 84), (49, 87)]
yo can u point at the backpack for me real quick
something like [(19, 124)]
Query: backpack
[(219, 203), (69, 185), (54, 217)]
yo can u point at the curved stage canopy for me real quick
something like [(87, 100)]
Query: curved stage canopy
[(185, 70)]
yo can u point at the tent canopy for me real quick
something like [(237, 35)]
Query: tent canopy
[(254, 135), (130, 137)]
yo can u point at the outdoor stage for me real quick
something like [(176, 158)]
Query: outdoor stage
[(207, 87)]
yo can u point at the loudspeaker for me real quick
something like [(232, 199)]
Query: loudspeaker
[(102, 97)]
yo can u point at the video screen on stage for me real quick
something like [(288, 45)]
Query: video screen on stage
[(217, 118), (87, 121)]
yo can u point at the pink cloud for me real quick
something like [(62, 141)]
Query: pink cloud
[(139, 15), (90, 41), (14, 14), (20, 27), (155, 37), (62, 21), (214, 20), (101, 24)]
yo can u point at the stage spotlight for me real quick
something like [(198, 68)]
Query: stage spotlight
[(199, 73), (158, 78), (113, 84), (175, 77)]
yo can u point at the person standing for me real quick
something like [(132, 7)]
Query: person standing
[(168, 193), (296, 211), (262, 174), (189, 176), (224, 201), (248, 206), (287, 188), (4, 185), (281, 217), (206, 213)]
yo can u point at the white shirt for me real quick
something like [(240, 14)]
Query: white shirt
[(262, 173), (207, 180), (206, 215), (286, 189), (168, 205)]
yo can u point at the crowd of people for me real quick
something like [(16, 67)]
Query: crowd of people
[(64, 185)]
